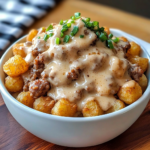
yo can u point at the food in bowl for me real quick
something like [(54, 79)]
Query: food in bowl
[(76, 69)]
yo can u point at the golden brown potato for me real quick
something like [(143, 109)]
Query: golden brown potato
[(26, 99), (91, 109), (14, 84), (64, 108), (130, 92), (117, 106), (44, 104), (134, 50), (142, 62), (18, 49), (143, 82), (123, 39), (106, 29), (32, 34), (15, 66)]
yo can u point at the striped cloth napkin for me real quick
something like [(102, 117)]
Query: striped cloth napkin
[(17, 15)]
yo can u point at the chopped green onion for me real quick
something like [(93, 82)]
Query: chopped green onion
[(64, 29), (61, 34), (77, 14), (66, 39), (101, 29), (110, 35), (65, 21), (103, 37), (87, 19), (84, 21), (81, 36), (116, 40), (75, 30), (38, 37), (73, 17), (51, 34), (46, 37), (105, 33), (95, 23), (68, 25), (89, 24), (49, 27), (61, 22), (97, 33), (78, 17), (57, 41), (72, 21), (110, 45), (72, 34)]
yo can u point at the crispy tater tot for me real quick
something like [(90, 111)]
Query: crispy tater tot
[(14, 84), (18, 49), (140, 61), (26, 99), (134, 49), (32, 34), (117, 106), (64, 108), (44, 104), (123, 39), (92, 108), (143, 82), (130, 92), (15, 66), (106, 29)]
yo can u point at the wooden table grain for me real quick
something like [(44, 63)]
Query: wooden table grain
[(14, 137)]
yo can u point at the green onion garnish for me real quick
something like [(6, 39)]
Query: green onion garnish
[(66, 39), (68, 25), (49, 27), (103, 37), (75, 30), (110, 45), (38, 37), (61, 22), (110, 35), (46, 37), (101, 29), (78, 17), (61, 34), (87, 19), (64, 29), (81, 36), (72, 34), (95, 23), (77, 14), (73, 17), (57, 41), (51, 34), (116, 40), (65, 21), (72, 21)]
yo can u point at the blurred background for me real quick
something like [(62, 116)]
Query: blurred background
[(139, 7)]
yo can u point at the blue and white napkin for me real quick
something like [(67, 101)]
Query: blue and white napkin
[(17, 15)]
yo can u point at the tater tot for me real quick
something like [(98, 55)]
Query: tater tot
[(143, 82), (44, 104), (14, 84), (140, 61), (15, 66), (64, 108), (130, 92), (134, 49), (117, 106), (123, 39), (106, 29), (18, 49), (92, 108), (26, 99), (32, 34)]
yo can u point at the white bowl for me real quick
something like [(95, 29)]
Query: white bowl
[(76, 132)]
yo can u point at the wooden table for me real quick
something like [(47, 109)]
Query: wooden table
[(15, 137)]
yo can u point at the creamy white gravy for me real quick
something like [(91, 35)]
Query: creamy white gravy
[(102, 71)]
